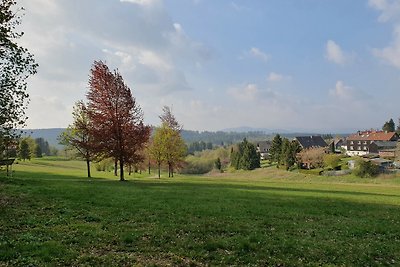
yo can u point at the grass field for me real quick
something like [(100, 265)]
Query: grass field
[(50, 214)]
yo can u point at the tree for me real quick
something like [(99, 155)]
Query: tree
[(38, 151), (398, 127), (117, 120), (169, 119), (365, 169), (276, 149), (16, 65), (157, 147), (289, 152), (218, 164), (77, 136), (312, 157), (44, 146), (246, 156), (389, 126), (332, 161), (24, 151)]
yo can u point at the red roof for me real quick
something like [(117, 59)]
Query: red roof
[(373, 136)]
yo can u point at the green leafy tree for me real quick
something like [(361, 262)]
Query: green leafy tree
[(276, 149), (389, 126), (24, 151), (77, 136), (16, 65), (332, 161), (365, 169)]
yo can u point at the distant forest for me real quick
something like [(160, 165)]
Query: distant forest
[(215, 138)]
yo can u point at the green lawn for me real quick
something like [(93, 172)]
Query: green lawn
[(50, 214)]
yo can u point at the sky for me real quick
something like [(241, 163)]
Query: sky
[(308, 65)]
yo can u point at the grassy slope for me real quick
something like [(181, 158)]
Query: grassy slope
[(50, 214)]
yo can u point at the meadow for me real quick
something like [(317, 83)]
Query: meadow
[(50, 215)]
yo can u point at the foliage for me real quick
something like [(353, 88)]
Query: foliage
[(169, 119), (312, 157), (245, 157), (24, 150), (104, 165), (197, 165), (365, 169), (332, 160), (77, 136), (44, 146), (16, 65), (117, 121), (167, 146), (289, 151), (276, 149), (199, 146), (204, 161), (389, 126)]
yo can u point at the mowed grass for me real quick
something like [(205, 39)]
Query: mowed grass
[(50, 214)]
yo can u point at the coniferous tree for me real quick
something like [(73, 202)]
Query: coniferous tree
[(389, 126), (276, 149), (24, 151)]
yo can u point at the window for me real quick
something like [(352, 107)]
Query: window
[(351, 148), (351, 142), (359, 142), (365, 148), (358, 148), (365, 142)]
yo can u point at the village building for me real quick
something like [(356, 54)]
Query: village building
[(263, 148), (313, 141), (358, 144)]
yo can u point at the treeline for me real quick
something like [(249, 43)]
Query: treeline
[(220, 138), (27, 148)]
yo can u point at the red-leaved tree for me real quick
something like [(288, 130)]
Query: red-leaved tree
[(117, 128)]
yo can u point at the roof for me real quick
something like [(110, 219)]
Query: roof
[(386, 144), (264, 145), (373, 136), (311, 141)]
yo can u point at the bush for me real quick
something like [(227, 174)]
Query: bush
[(365, 169), (332, 161), (105, 165), (197, 165)]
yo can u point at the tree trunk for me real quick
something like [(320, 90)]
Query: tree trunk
[(159, 170), (169, 170), (172, 171), (88, 168), (130, 169), (149, 167), (121, 170), (115, 167)]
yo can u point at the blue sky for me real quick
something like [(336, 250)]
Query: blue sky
[(309, 65)]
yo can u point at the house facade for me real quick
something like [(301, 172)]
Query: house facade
[(358, 144), (263, 148)]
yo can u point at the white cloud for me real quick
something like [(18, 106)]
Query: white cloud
[(335, 54), (258, 54), (390, 9), (276, 77), (142, 2), (342, 91), (391, 53)]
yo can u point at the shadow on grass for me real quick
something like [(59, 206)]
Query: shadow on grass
[(40, 177)]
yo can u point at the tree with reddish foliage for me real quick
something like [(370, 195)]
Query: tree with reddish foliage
[(117, 128), (77, 136)]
